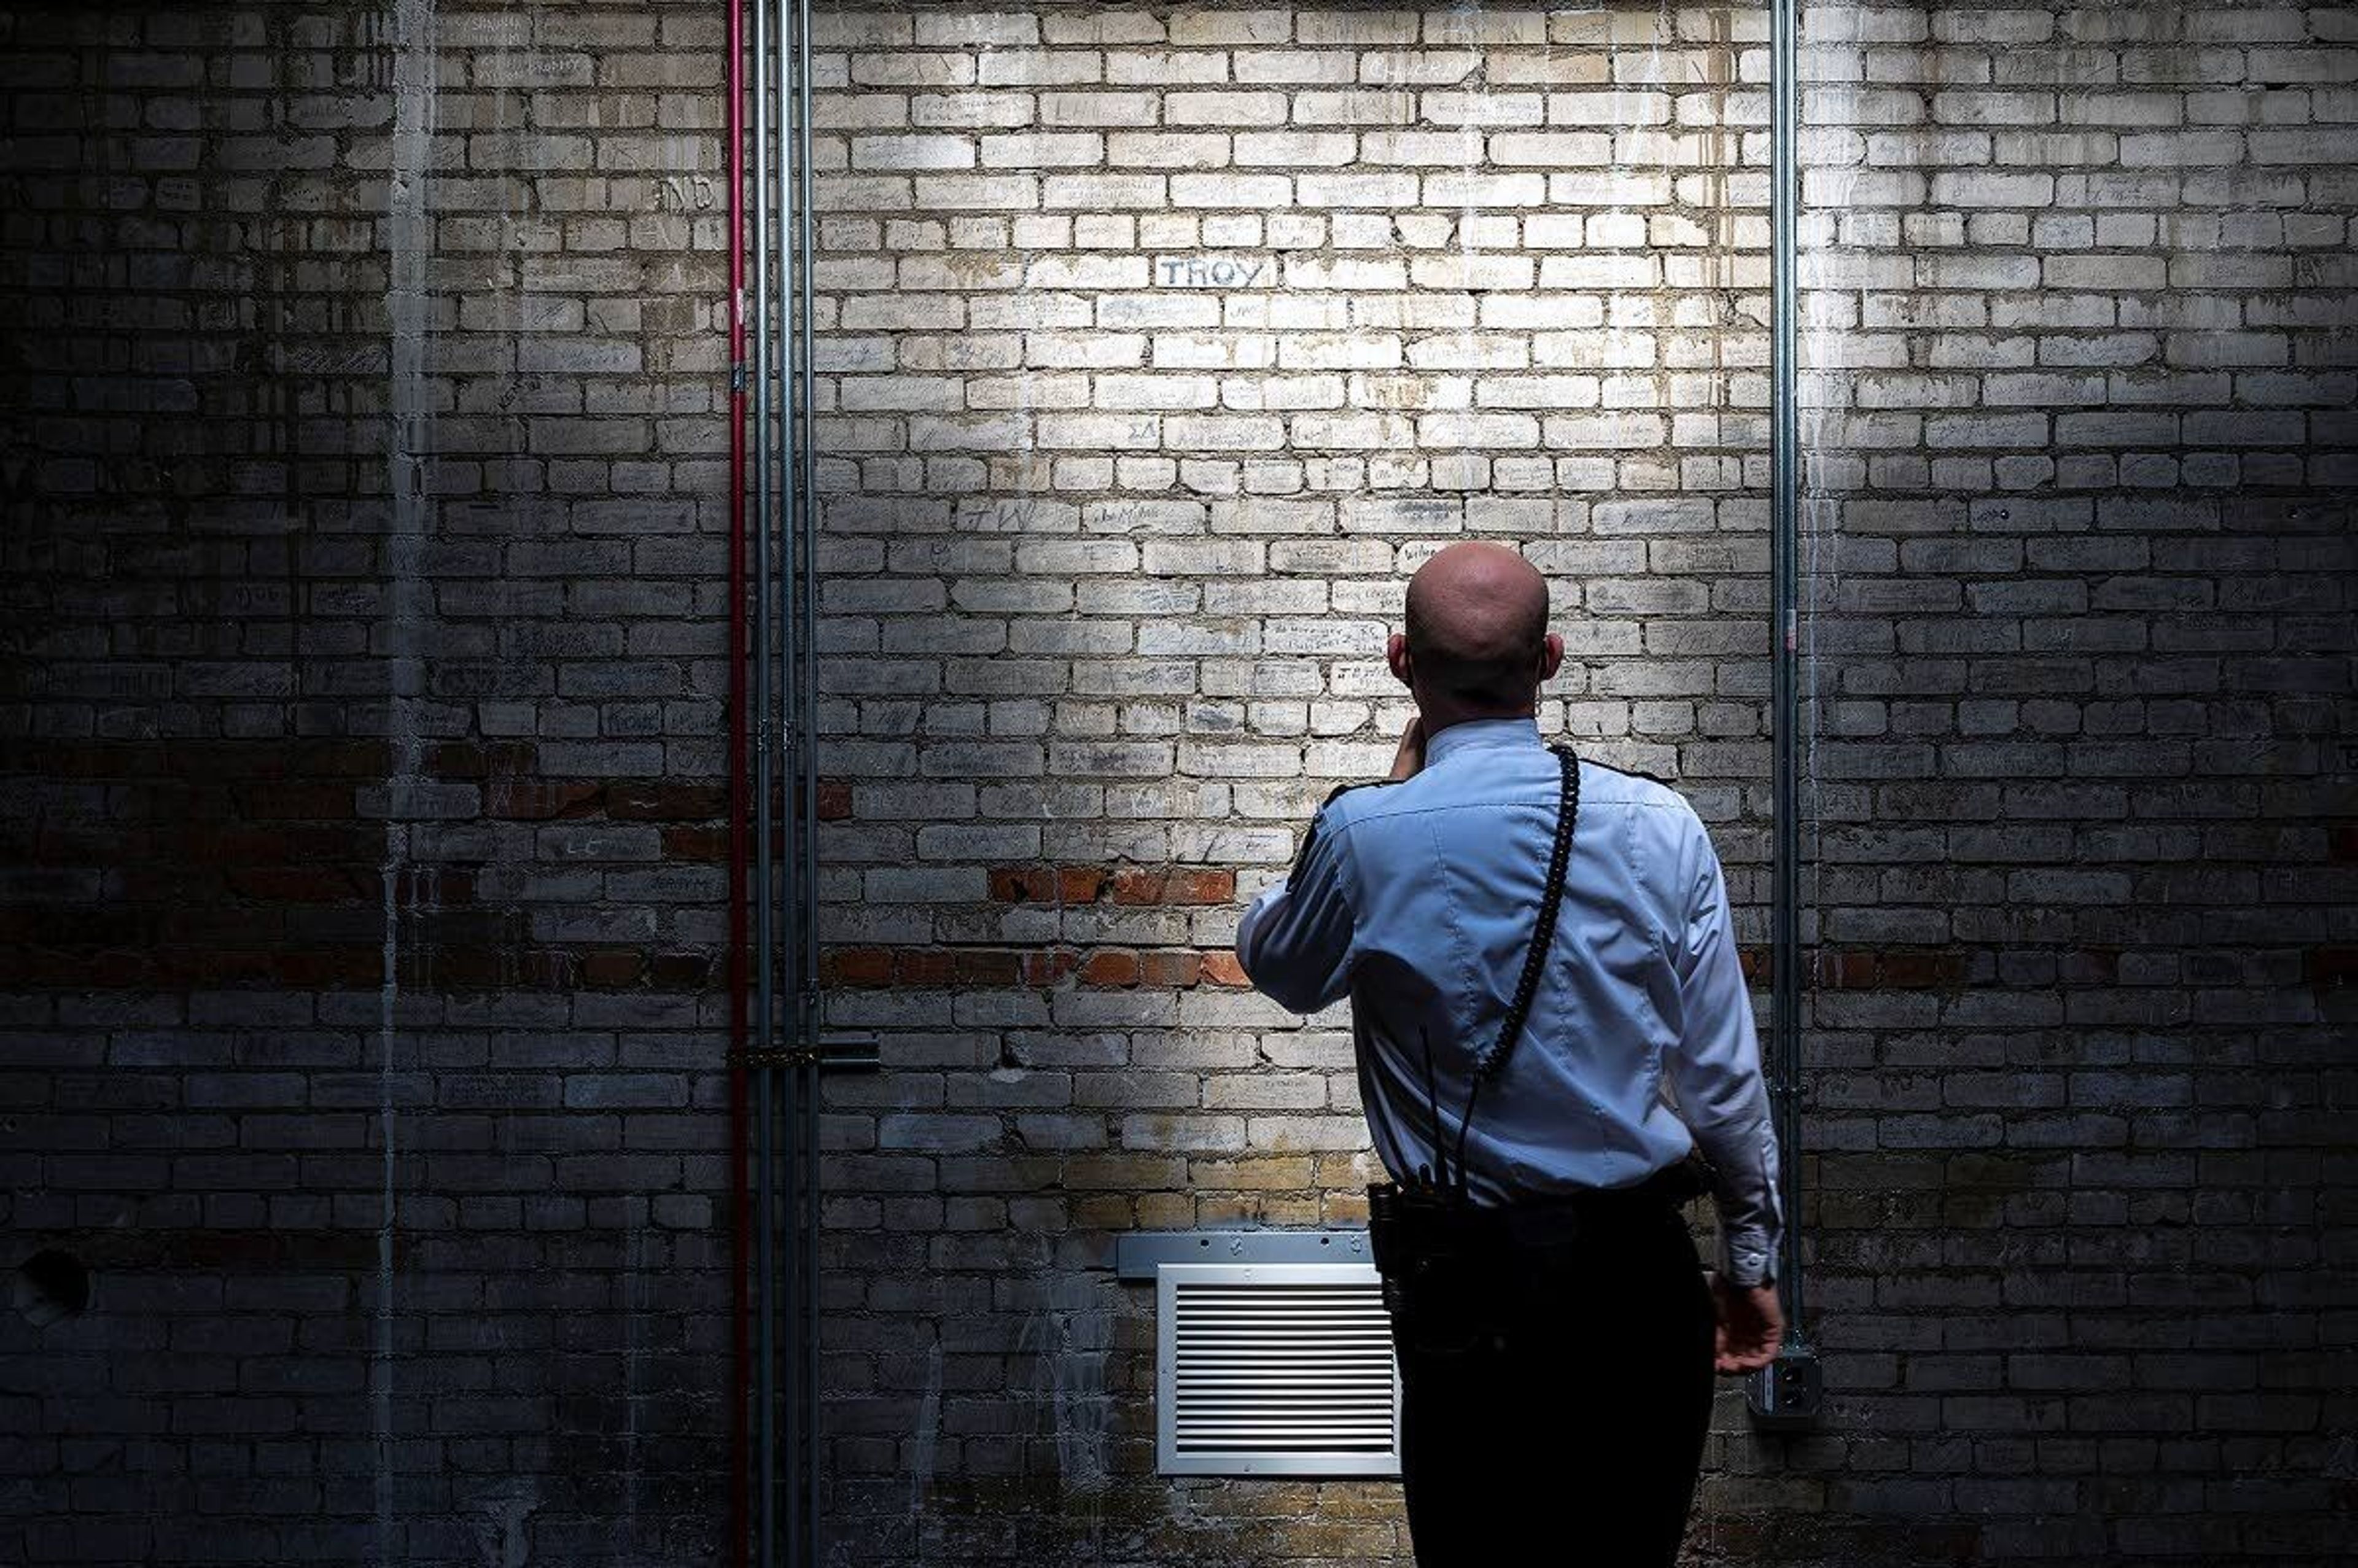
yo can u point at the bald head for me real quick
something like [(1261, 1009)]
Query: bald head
[(1476, 639)]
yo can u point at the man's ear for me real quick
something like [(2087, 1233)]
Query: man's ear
[(1551, 656), (1396, 655)]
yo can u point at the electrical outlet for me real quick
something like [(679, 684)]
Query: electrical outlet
[(1786, 1392)]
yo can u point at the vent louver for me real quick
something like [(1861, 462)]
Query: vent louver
[(1274, 1369)]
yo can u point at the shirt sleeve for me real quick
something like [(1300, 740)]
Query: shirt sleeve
[(1295, 940), (1714, 1071)]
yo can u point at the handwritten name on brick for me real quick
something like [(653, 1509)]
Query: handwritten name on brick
[(1214, 272)]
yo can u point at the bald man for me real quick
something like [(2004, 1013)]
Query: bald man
[(1547, 1079)]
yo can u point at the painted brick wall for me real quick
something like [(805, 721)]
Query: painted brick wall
[(364, 726)]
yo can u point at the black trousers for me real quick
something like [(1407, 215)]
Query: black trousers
[(1554, 1401)]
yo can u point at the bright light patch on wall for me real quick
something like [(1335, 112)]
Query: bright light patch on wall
[(1273, 1369)]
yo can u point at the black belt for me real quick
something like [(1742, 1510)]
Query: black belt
[(1411, 1229)]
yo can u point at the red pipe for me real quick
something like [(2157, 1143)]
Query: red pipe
[(740, 740)]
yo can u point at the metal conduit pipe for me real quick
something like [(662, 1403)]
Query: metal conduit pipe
[(794, 1457), (740, 1216), (1787, 1390), (808, 1018), (765, 1016), (786, 1281), (775, 732)]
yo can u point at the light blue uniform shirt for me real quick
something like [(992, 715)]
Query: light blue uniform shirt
[(1419, 899)]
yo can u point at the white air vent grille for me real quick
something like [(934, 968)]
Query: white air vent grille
[(1274, 1369)]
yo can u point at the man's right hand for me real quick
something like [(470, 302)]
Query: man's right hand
[(1409, 760), (1751, 1325)]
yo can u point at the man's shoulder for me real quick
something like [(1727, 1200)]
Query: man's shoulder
[(1347, 802), (1603, 785), (1603, 782)]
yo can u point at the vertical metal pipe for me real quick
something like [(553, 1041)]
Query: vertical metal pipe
[(764, 952), (740, 740), (786, 892), (1784, 488), (807, 812)]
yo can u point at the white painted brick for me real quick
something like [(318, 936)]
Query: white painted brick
[(1443, 107), (1296, 149), (1040, 68), (1225, 109), (1066, 149), (1158, 69), (1293, 66), (1126, 108), (1993, 188), (1197, 28), (1551, 150), (1514, 68), (1427, 66), (962, 29), (1230, 190), (1463, 272)]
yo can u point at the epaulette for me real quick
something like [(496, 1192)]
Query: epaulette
[(1632, 772), (1310, 836)]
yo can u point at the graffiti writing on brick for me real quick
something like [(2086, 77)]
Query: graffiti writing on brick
[(684, 193), (1214, 272)]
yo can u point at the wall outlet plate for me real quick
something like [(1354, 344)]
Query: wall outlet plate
[(1786, 1392)]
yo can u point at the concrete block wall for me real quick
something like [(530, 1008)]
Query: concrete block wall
[(363, 734)]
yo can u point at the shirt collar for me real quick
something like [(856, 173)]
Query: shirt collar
[(1480, 734)]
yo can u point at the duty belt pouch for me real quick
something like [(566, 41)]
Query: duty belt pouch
[(1436, 1289)]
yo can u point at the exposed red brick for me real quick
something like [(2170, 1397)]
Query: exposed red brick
[(924, 967), (653, 800), (1046, 884), (1109, 967), (1836, 970), (1169, 967), (1920, 970), (1197, 885), (1221, 968), (987, 966), (1021, 884), (1158, 884), (2341, 845), (706, 844), (1902, 968), (834, 800), (1050, 965), (860, 966)]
